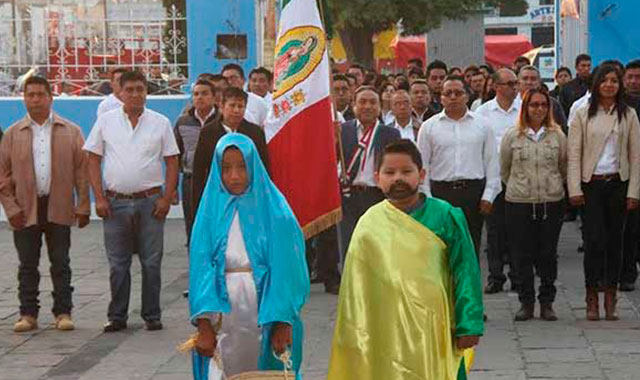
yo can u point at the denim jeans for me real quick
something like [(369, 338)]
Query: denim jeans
[(132, 227)]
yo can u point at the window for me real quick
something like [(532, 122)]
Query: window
[(547, 2), (231, 46), (500, 31)]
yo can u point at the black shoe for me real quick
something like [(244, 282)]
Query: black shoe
[(153, 325), (493, 287), (113, 326), (525, 313), (547, 313), (332, 289), (185, 294), (514, 287), (627, 287), (570, 217), (581, 248)]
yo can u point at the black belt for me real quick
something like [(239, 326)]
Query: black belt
[(139, 195), (606, 177), (459, 184), (187, 175)]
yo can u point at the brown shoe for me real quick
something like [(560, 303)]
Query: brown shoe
[(64, 322), (525, 313), (610, 301), (25, 323), (593, 309), (547, 313)]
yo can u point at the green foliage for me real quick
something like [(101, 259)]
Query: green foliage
[(361, 19), (418, 16)]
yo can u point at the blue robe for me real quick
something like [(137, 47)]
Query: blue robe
[(275, 246)]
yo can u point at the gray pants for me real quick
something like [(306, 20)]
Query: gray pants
[(132, 227)]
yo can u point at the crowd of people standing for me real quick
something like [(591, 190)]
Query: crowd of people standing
[(496, 145)]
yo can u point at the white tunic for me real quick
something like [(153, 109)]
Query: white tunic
[(240, 337)]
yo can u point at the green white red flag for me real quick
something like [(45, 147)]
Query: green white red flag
[(299, 128)]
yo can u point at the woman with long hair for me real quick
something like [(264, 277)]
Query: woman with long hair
[(533, 164), (604, 178)]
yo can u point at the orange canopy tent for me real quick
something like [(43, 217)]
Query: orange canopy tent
[(500, 51)]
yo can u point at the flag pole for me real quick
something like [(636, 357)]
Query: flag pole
[(343, 165)]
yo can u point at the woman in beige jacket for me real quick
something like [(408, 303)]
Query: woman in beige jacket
[(533, 164), (604, 178)]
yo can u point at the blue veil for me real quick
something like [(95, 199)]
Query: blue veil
[(275, 246)]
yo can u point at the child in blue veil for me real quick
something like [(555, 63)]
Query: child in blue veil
[(247, 267)]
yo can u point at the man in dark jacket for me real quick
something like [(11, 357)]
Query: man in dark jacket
[(187, 131), (363, 140), (234, 102), (579, 86)]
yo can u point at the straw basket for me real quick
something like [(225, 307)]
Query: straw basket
[(264, 375)]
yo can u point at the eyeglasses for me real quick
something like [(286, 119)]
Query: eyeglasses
[(538, 105), (511, 83), (452, 93)]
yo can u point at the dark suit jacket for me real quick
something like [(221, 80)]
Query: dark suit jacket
[(350, 139), (210, 134)]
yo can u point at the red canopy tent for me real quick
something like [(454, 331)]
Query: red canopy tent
[(500, 51), (408, 47)]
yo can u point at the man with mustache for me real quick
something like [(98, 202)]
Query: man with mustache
[(425, 283)]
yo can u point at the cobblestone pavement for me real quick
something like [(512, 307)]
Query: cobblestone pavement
[(568, 349)]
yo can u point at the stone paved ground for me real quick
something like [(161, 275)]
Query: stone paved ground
[(568, 349)]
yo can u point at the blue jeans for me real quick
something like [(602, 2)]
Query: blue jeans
[(133, 228)]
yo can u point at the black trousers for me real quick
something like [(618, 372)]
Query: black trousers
[(328, 256), (605, 218), (466, 196), (28, 242), (630, 258), (353, 207), (186, 206), (498, 253), (533, 233)]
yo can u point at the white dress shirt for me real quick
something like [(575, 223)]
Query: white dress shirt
[(406, 132), (257, 109), (109, 103), (577, 104), (388, 118), (608, 162), (536, 136), (41, 149), (132, 157), (203, 121), (365, 175), (498, 118), (461, 149)]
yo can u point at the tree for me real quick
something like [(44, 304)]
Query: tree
[(358, 20)]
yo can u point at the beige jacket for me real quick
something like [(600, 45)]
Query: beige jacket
[(69, 191), (534, 171), (587, 138)]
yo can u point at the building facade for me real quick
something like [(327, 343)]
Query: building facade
[(537, 23)]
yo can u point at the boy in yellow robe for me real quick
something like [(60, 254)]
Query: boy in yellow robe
[(411, 294)]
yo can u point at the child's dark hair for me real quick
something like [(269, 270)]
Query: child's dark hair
[(404, 146)]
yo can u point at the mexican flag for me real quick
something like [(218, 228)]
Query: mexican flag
[(299, 128)]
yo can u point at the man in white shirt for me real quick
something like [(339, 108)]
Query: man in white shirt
[(461, 158), (404, 122), (257, 108), (261, 84), (112, 101), (501, 113), (134, 142)]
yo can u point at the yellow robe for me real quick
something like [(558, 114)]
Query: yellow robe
[(396, 316)]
